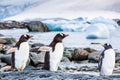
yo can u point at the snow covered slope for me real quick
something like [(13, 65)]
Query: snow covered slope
[(13, 7), (30, 9)]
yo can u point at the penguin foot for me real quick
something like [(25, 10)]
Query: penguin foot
[(20, 69)]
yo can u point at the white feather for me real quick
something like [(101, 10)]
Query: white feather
[(22, 55), (108, 62), (56, 56)]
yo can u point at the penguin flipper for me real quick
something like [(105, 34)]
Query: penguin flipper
[(100, 60)]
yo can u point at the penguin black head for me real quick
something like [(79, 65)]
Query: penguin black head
[(59, 37), (107, 46), (23, 38)]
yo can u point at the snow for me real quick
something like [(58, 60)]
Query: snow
[(74, 14), (69, 9)]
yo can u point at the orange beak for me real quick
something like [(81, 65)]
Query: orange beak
[(30, 36), (66, 35)]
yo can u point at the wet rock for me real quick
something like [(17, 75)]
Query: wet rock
[(7, 40), (37, 45), (118, 21), (117, 58), (2, 49), (49, 75), (2, 64), (6, 59), (37, 26), (94, 56), (68, 53), (1, 35), (65, 59), (90, 50), (1, 55), (37, 58), (80, 54), (11, 24)]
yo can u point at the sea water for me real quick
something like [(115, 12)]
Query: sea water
[(75, 39)]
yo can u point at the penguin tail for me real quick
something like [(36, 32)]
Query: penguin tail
[(46, 61)]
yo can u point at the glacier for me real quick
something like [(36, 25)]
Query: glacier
[(75, 25), (98, 27)]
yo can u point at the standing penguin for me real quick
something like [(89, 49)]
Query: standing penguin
[(53, 57), (21, 55), (106, 60)]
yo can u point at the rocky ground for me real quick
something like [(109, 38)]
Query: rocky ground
[(48, 75)]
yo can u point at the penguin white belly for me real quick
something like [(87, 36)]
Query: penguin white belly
[(56, 56), (108, 62), (22, 55)]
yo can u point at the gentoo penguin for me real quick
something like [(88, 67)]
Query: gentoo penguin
[(106, 60), (53, 57), (21, 54)]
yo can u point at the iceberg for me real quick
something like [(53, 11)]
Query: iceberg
[(66, 25), (112, 25), (98, 30)]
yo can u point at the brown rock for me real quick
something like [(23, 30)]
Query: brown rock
[(11, 24), (80, 54), (94, 56), (7, 40)]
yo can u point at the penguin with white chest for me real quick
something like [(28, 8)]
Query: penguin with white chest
[(53, 57), (106, 60), (21, 54)]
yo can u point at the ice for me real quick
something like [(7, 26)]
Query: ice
[(112, 25), (75, 25), (98, 30)]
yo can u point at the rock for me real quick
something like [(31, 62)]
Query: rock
[(50, 75), (68, 53), (2, 41), (80, 54), (37, 58), (90, 50), (117, 21), (7, 40), (1, 35), (37, 26), (6, 59), (11, 24), (1, 55), (117, 58), (37, 45), (65, 59), (94, 56), (2, 64), (2, 48)]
